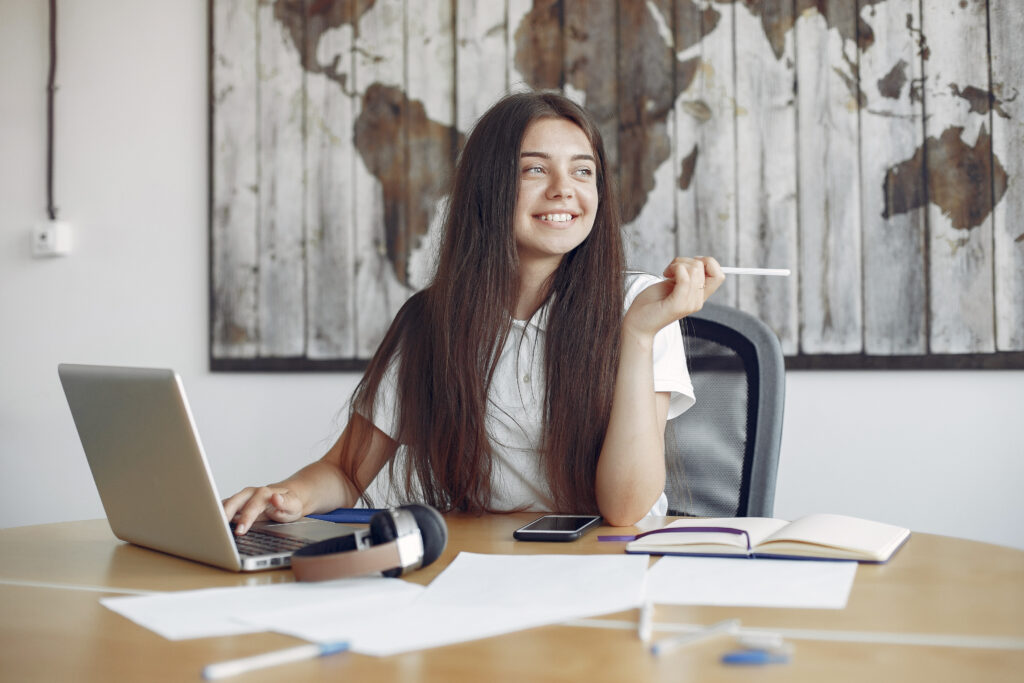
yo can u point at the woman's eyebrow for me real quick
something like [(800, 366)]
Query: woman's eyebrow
[(545, 155)]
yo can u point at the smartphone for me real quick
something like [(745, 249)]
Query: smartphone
[(557, 528)]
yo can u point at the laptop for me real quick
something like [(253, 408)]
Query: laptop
[(153, 477)]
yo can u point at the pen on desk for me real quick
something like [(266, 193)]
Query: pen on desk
[(646, 623), (754, 657), (780, 272), (666, 645), (762, 640), (234, 667)]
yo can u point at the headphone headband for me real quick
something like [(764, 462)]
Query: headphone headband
[(395, 543)]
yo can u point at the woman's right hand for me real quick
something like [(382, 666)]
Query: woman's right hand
[(320, 486), (252, 504)]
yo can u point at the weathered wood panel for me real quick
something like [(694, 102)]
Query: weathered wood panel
[(958, 158), (891, 128), (589, 66), (380, 180), (281, 222), (646, 99), (689, 113), (710, 109), (330, 205), (534, 45), (1007, 115), (234, 181), (766, 176), (481, 58), (829, 178), (433, 141)]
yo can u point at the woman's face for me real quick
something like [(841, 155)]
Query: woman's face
[(558, 196)]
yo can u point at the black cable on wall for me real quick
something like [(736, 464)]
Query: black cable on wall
[(50, 91)]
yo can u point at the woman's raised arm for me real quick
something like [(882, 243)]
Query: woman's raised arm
[(631, 468)]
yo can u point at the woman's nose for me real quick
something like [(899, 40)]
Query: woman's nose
[(559, 186)]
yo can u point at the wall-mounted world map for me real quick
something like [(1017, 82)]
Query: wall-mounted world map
[(873, 147)]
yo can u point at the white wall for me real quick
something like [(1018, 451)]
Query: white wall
[(940, 452)]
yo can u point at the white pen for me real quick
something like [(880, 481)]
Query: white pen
[(668, 644), (646, 623), (733, 270), (234, 667)]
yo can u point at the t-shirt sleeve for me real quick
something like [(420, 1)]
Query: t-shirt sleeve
[(385, 405), (670, 371)]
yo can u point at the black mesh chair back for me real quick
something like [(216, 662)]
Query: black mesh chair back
[(722, 454)]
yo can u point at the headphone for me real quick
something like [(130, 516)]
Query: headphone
[(398, 540)]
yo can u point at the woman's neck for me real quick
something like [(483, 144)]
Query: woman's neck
[(534, 284)]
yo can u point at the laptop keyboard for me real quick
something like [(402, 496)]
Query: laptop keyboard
[(257, 542)]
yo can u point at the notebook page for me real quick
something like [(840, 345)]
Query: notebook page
[(840, 531)]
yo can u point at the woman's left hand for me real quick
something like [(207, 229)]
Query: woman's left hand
[(688, 284)]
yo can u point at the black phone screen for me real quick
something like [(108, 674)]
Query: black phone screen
[(560, 523)]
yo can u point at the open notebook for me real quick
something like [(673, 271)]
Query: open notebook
[(814, 537)]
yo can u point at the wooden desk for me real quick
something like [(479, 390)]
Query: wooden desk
[(52, 627)]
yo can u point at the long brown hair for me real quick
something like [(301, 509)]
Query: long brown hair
[(447, 338)]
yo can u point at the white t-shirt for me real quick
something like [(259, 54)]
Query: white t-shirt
[(516, 402)]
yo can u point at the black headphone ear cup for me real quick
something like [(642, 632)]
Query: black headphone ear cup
[(382, 528), (433, 530)]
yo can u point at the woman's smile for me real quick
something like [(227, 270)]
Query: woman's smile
[(560, 219)]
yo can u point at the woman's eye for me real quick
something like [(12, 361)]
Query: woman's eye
[(585, 171), (533, 169)]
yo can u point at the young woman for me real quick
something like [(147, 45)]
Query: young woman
[(533, 372)]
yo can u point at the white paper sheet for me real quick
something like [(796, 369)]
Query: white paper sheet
[(478, 596), (750, 583), (221, 611)]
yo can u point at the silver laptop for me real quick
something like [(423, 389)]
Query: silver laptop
[(152, 475)]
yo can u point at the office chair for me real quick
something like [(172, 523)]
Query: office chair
[(722, 454)]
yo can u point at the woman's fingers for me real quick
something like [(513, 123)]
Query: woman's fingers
[(701, 274), (713, 275), (235, 502), (253, 504), (284, 507), (689, 283)]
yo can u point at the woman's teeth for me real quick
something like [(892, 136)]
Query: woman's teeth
[(556, 217)]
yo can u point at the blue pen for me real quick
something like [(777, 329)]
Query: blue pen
[(292, 654), (754, 657)]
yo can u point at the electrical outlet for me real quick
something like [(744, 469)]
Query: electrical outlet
[(51, 238)]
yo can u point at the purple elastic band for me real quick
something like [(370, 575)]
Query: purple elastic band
[(682, 529)]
